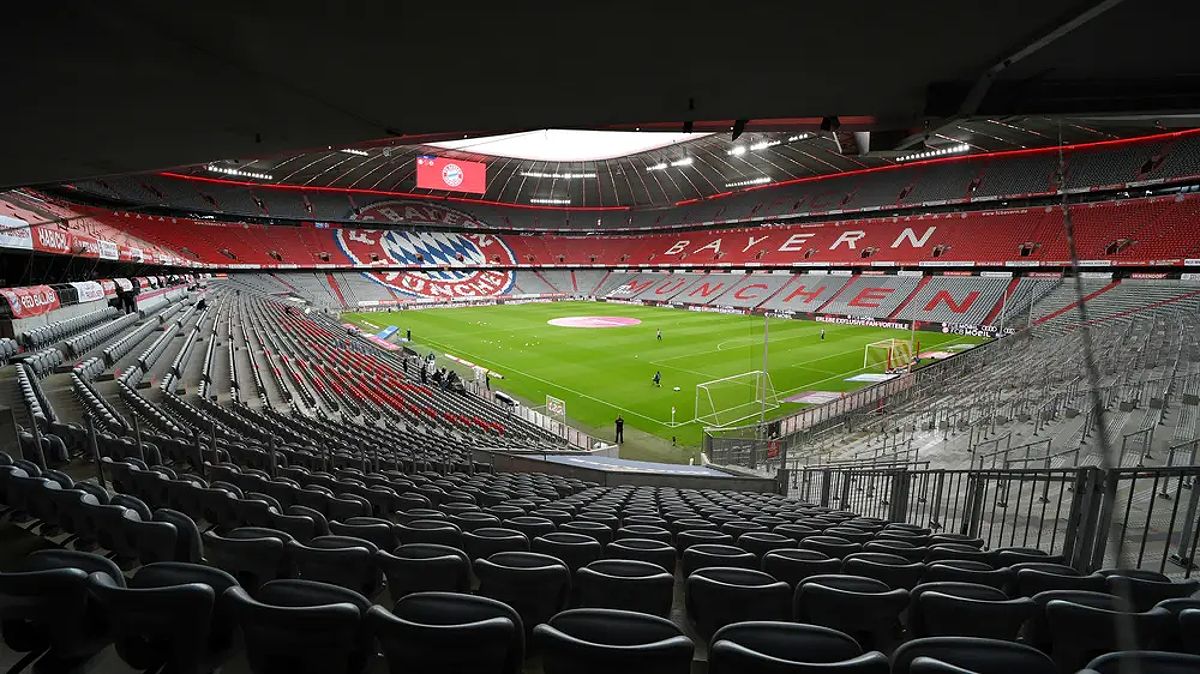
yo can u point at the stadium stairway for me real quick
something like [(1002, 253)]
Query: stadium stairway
[(1000, 306), (337, 291), (920, 284), (1086, 298)]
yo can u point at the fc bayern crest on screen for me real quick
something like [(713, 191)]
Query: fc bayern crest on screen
[(453, 254), (452, 175)]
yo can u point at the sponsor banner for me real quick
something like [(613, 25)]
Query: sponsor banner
[(1044, 274), (996, 274), (89, 291), (15, 233), (947, 263), (910, 272), (1022, 263), (1189, 276), (30, 301), (841, 272), (1192, 262), (48, 239), (1096, 274), (455, 175), (864, 322), (110, 287), (958, 273), (718, 310), (974, 330), (1094, 263), (1148, 275), (109, 251)]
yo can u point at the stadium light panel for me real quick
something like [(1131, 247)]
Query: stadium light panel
[(557, 176), (957, 148), (550, 201), (802, 136), (762, 145), (686, 161), (762, 180), (230, 171), (737, 151), (355, 152)]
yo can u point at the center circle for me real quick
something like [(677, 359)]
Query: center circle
[(594, 321)]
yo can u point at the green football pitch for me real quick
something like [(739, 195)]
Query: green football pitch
[(603, 372)]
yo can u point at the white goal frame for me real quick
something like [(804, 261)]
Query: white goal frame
[(898, 353), (764, 399)]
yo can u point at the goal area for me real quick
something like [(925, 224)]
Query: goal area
[(888, 354), (728, 400)]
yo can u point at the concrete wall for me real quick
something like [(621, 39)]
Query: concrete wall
[(514, 463)]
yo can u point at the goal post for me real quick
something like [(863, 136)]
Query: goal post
[(729, 400), (888, 354)]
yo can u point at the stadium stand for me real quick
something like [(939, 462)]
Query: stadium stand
[(871, 296), (980, 178), (955, 299)]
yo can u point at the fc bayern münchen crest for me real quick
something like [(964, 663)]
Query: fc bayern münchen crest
[(452, 175), (451, 261)]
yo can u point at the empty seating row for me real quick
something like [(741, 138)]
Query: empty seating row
[(63, 329)]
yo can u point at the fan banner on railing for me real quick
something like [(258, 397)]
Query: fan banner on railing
[(89, 291), (455, 175), (29, 301), (15, 233), (109, 286)]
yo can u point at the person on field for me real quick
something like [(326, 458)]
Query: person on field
[(822, 334), (620, 424), (659, 336), (657, 378)]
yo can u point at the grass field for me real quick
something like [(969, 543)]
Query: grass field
[(603, 372)]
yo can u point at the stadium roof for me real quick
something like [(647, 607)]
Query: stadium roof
[(673, 167), (143, 85), (566, 145)]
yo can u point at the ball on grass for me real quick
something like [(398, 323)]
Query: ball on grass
[(676, 388)]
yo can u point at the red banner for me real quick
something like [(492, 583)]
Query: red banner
[(438, 173), (30, 301)]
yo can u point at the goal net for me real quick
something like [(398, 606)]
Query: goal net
[(726, 401), (888, 354)]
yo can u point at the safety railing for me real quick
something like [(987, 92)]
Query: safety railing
[(1135, 517)]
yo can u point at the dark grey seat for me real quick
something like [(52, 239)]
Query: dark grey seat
[(600, 641)]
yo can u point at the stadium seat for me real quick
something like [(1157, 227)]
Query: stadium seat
[(866, 609), (967, 610), (487, 541), (793, 566), (1080, 632), (424, 567), (252, 561), (302, 626), (709, 554), (719, 596), (895, 571), (1145, 593), (427, 631), (1145, 662), (833, 546), (689, 537), (45, 606), (536, 586), (765, 647), (169, 615), (599, 641), (975, 655), (760, 543), (643, 549), (575, 550), (625, 584)]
